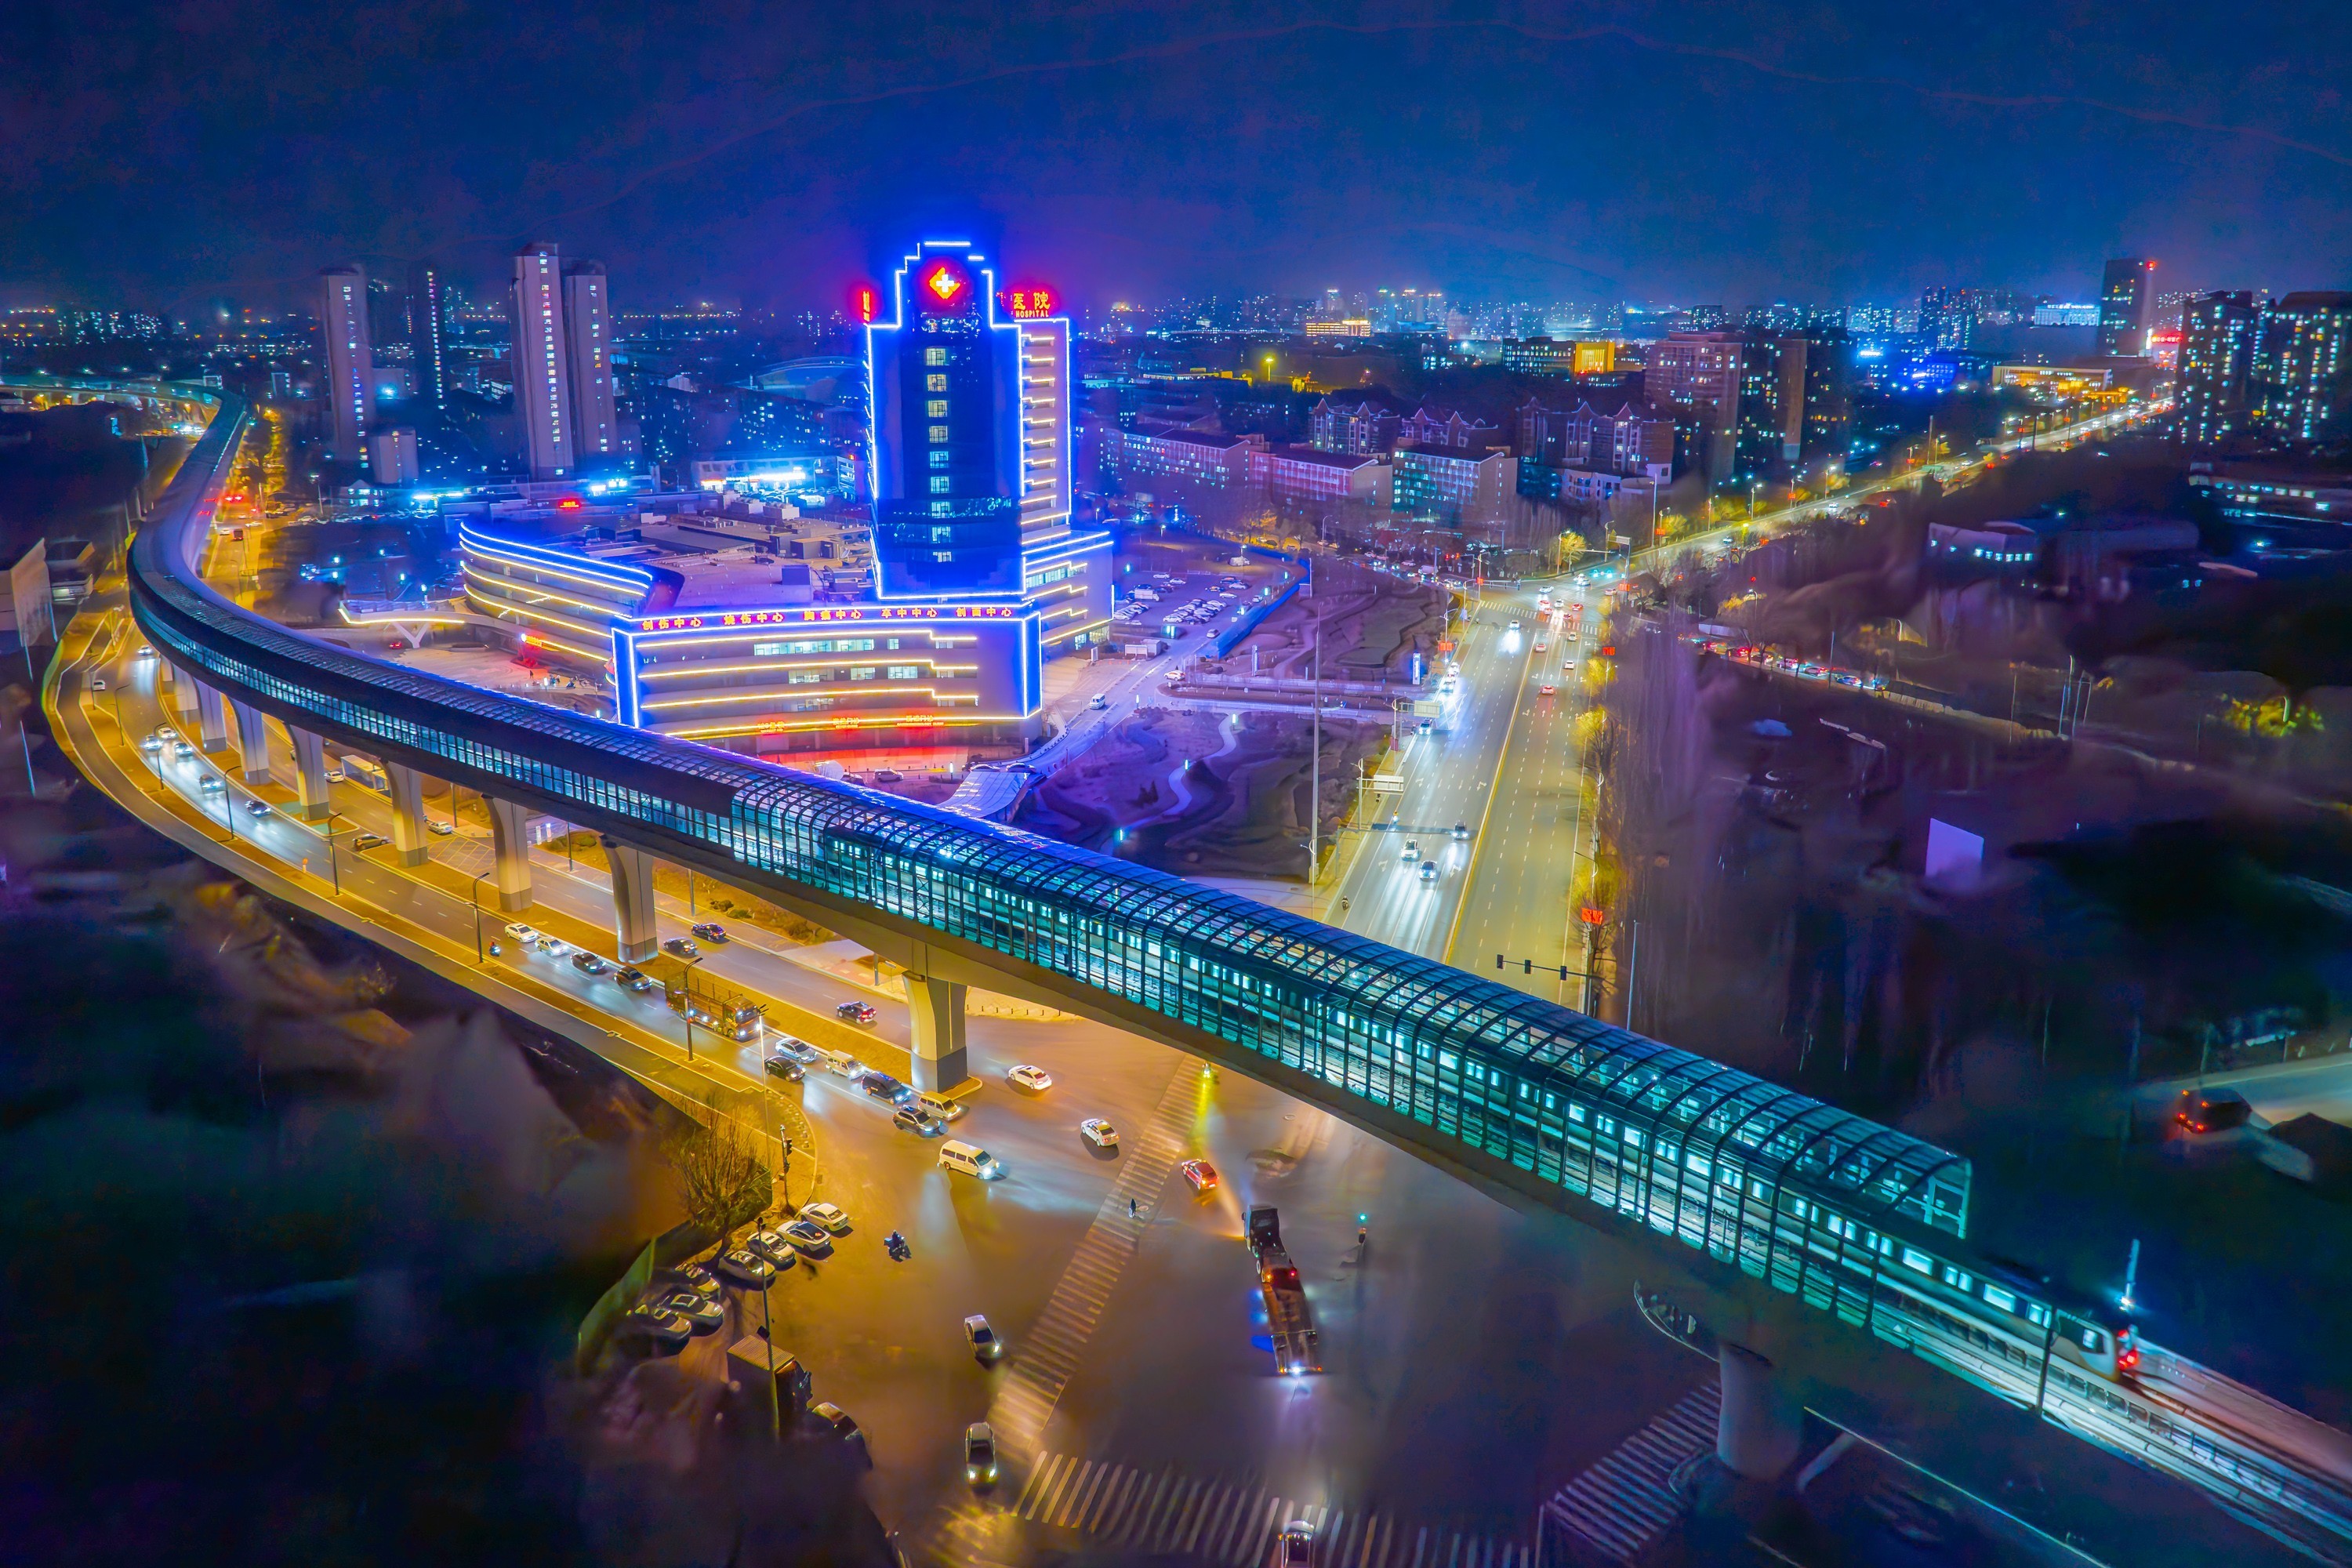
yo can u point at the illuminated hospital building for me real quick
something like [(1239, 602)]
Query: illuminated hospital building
[(927, 630)]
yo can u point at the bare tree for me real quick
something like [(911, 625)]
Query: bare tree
[(721, 1178)]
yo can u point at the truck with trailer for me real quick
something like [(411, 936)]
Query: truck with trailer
[(1296, 1348)]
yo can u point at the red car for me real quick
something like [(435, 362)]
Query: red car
[(1200, 1173)]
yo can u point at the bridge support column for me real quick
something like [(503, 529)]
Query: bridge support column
[(1761, 1428), (183, 691), (407, 813), (309, 772), (937, 1009), (211, 720), (252, 744), (506, 820), (633, 901)]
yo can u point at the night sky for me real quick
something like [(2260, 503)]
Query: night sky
[(163, 154)]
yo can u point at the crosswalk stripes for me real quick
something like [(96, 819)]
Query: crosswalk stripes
[(1050, 1350), (1213, 1521), (1625, 1500)]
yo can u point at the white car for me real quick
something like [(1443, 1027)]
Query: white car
[(1099, 1132), (827, 1214), (1033, 1078), (167, 733), (523, 934), (151, 744), (98, 683)]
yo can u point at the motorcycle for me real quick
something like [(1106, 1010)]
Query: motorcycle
[(896, 1244)]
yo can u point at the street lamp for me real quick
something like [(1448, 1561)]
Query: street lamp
[(474, 898)]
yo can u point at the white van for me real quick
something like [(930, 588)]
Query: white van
[(941, 1106), (841, 1064), (971, 1160)]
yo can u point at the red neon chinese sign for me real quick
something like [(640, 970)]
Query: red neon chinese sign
[(865, 302), (1032, 301)]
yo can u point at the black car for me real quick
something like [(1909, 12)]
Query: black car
[(833, 1418), (787, 1067), (710, 931), (886, 1089), (856, 1013), (2212, 1109), (587, 963), (681, 947)]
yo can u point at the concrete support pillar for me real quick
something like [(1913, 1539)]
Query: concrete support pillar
[(183, 691), (506, 820), (937, 1006), (309, 772), (211, 720), (1761, 1428), (252, 744), (407, 814), (633, 901)]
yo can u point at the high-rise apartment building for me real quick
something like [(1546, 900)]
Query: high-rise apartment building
[(1829, 395), (1771, 403), (2127, 294), (562, 358), (425, 341), (2220, 333), (2302, 368), (1947, 316), (543, 363), (1697, 375), (349, 394), (588, 339)]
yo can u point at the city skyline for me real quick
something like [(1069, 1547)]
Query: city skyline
[(785, 167)]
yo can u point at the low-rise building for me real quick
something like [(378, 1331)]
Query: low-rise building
[(1453, 489), (1196, 456), (1430, 429), (1359, 425), (1303, 473)]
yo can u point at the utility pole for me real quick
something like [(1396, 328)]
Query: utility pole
[(1315, 764)]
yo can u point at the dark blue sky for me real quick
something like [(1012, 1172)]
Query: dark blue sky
[(1723, 151)]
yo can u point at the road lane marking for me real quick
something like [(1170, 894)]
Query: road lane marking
[(1059, 1337), (1622, 1502), (1235, 1523)]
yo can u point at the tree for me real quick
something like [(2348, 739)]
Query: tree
[(721, 1178)]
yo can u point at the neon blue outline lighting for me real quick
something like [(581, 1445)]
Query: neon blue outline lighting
[(628, 706), (974, 262), (582, 565)]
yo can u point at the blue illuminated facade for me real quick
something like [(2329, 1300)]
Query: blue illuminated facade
[(948, 478)]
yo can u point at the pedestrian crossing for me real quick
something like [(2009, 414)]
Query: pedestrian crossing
[(1210, 1521), (1620, 1506), (1048, 1353)]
